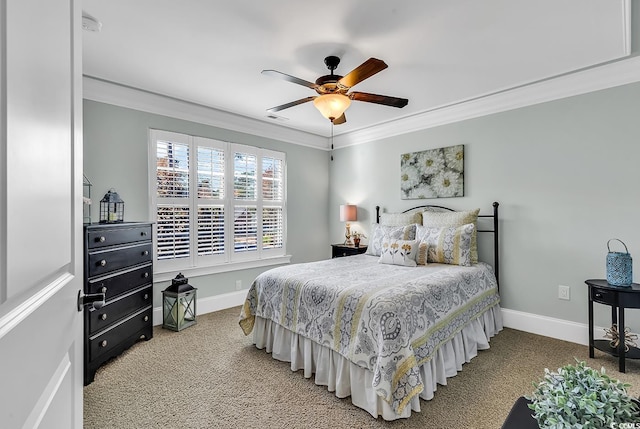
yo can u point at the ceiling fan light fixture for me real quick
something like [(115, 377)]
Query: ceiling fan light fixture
[(332, 106)]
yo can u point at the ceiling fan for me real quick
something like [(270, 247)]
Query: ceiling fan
[(334, 98)]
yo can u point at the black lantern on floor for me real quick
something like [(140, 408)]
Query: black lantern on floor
[(111, 208), (179, 304)]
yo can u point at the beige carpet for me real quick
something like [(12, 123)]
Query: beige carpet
[(211, 376)]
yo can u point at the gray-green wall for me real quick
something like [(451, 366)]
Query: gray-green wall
[(116, 156), (566, 174)]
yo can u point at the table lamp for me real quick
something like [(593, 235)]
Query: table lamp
[(348, 213)]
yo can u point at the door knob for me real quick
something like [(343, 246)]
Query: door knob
[(93, 301)]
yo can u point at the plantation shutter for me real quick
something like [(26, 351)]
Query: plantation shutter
[(272, 200), (245, 219), (211, 198), (214, 202), (173, 204)]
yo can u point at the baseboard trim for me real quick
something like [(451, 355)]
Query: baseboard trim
[(209, 304), (550, 327)]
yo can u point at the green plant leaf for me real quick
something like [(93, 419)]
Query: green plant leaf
[(577, 396)]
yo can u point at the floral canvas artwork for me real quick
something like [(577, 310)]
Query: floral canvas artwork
[(434, 173)]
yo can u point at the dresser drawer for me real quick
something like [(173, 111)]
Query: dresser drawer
[(105, 261), (98, 238), (603, 296), (118, 309), (121, 282), (103, 342)]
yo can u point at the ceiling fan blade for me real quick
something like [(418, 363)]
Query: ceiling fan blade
[(289, 78), (378, 99), (362, 72), (340, 120), (293, 103)]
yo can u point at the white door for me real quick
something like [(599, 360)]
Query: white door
[(40, 214)]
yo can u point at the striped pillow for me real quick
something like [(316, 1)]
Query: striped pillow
[(421, 257), (448, 245), (442, 219)]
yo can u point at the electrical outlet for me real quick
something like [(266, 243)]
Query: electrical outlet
[(238, 284), (564, 292)]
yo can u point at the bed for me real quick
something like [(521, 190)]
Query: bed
[(385, 334)]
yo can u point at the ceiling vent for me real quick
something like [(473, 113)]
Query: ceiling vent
[(90, 23)]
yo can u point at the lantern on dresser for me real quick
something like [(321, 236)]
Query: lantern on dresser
[(179, 304), (111, 208)]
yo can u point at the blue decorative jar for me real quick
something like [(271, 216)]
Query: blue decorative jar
[(619, 266)]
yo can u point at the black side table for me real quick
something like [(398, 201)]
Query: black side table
[(619, 298), (340, 250)]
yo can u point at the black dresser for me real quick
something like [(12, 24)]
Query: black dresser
[(117, 262)]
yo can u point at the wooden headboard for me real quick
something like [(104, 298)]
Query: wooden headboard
[(496, 253)]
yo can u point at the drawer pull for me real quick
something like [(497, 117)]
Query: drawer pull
[(599, 295), (101, 239), (103, 343), (103, 316), (146, 275), (102, 263), (143, 233), (146, 318), (104, 289), (146, 296), (145, 253)]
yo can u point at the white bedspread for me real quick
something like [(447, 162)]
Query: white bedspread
[(387, 319)]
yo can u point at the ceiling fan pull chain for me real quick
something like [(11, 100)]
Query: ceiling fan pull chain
[(331, 140)]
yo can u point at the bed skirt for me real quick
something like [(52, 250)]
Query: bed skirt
[(348, 379)]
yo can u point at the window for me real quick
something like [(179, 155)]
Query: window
[(214, 202)]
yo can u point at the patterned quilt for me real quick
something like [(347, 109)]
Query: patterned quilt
[(386, 318)]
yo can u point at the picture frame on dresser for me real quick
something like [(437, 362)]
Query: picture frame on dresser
[(118, 262)]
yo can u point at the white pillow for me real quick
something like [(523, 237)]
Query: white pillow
[(448, 245), (380, 232), (399, 252), (400, 219)]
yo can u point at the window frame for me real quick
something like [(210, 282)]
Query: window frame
[(229, 260)]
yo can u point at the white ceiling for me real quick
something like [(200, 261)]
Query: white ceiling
[(439, 52)]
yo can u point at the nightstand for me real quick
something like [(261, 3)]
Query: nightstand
[(619, 298), (340, 250)]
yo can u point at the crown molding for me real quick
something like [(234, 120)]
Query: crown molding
[(594, 79), (125, 96)]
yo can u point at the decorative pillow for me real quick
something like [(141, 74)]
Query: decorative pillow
[(448, 245), (399, 252), (423, 248), (380, 232), (441, 219), (400, 219)]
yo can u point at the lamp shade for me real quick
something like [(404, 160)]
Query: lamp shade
[(332, 106), (348, 213)]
